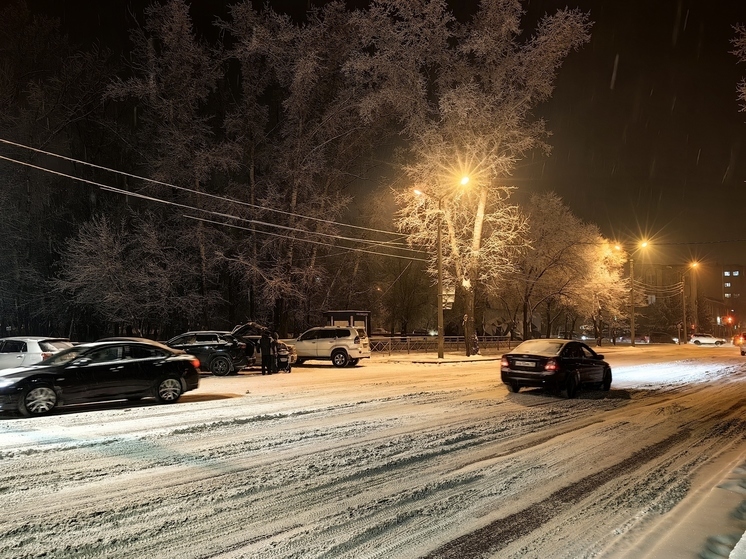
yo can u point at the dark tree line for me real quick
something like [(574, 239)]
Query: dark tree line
[(256, 147)]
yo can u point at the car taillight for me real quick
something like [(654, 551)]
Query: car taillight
[(504, 362), (551, 365), (46, 355), (196, 364)]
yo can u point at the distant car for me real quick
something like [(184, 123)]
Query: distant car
[(380, 332), (739, 339), (218, 352), (699, 339), (22, 351), (661, 338), (554, 364), (625, 339), (424, 332), (343, 345), (121, 369)]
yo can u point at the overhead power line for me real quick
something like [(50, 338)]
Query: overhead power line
[(193, 191), (369, 242)]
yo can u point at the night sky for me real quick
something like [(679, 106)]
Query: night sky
[(647, 137)]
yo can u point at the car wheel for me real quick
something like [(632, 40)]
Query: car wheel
[(718, 343), (513, 387), (37, 400), (697, 342), (743, 352), (606, 384), (571, 387), (168, 391), (220, 366), (340, 358), (354, 362)]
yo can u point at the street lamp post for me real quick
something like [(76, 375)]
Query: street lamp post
[(441, 340), (632, 301), (642, 245), (682, 334), (694, 297), (439, 248)]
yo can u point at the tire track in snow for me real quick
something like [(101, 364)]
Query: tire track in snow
[(492, 538)]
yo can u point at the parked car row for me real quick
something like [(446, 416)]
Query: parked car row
[(113, 369), (38, 374)]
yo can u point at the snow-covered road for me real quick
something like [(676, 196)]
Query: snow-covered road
[(391, 459)]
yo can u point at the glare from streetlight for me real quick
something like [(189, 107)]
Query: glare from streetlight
[(464, 180), (643, 244), (694, 264)]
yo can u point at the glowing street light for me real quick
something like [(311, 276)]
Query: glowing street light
[(642, 245), (439, 243)]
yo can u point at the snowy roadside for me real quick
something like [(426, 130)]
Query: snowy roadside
[(386, 460)]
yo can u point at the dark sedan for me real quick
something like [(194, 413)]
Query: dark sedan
[(556, 365), (99, 371), (218, 352)]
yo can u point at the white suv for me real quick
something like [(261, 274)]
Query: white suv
[(22, 351), (698, 339), (344, 345)]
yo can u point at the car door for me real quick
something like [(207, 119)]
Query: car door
[(305, 345), (592, 367), (12, 353), (572, 357), (188, 343), (110, 373), (327, 340), (151, 362), (206, 346)]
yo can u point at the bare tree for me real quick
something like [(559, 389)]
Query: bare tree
[(173, 78), (315, 143), (739, 43), (464, 96), (127, 274), (554, 266), (50, 98)]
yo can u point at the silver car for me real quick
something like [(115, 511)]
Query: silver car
[(22, 351), (343, 345), (699, 339)]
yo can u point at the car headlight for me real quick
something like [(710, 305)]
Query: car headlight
[(6, 382)]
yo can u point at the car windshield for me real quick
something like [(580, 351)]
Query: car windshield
[(65, 356), (539, 347)]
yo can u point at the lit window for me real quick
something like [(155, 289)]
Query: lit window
[(727, 284), (735, 272), (726, 274), (727, 295)]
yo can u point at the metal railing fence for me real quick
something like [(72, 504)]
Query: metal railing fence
[(488, 345)]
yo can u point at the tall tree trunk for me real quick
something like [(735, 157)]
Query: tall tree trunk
[(469, 296)]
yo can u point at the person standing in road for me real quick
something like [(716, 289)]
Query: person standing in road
[(274, 347), (265, 348)]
